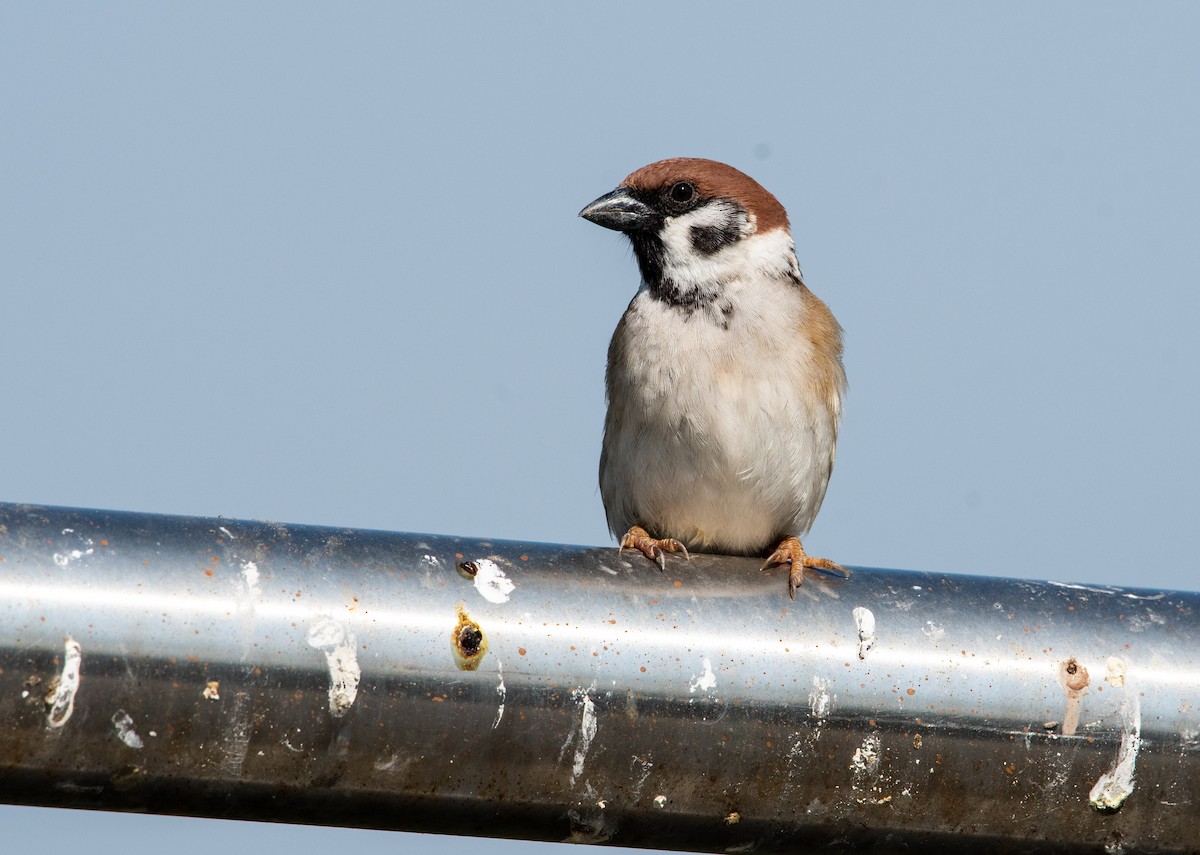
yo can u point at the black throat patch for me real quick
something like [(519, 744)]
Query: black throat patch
[(707, 302), (706, 299)]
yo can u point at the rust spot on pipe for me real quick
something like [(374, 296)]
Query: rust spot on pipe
[(467, 641)]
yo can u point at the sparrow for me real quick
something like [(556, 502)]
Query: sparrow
[(725, 378)]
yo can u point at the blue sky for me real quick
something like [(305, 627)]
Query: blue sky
[(320, 263)]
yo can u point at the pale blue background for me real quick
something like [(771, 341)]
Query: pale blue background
[(320, 263)]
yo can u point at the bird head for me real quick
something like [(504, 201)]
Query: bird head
[(696, 225)]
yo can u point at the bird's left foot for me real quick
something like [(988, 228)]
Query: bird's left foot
[(791, 552)]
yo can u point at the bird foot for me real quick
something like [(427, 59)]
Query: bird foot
[(791, 552), (638, 538)]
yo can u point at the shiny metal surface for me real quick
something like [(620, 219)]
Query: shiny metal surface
[(299, 674)]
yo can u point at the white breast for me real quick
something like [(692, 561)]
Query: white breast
[(713, 435)]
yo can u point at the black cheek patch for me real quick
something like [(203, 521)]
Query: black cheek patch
[(706, 240)]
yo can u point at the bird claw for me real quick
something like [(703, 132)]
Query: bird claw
[(791, 552), (653, 548)]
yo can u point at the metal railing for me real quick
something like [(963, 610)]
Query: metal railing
[(255, 670)]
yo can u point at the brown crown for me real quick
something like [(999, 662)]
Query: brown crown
[(713, 179)]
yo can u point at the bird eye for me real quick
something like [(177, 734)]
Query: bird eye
[(682, 191)]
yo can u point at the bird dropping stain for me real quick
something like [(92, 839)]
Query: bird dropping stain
[(819, 699), (1116, 673), (864, 622), (123, 723), (61, 698), (467, 642), (706, 681), (250, 576), (583, 733), (339, 646), (502, 691), (1073, 677), (1115, 786), (491, 582)]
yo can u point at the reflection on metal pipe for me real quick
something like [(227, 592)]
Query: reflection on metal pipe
[(300, 674)]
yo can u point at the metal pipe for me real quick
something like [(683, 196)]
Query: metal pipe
[(255, 670)]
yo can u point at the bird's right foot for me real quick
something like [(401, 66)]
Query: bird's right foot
[(653, 548)]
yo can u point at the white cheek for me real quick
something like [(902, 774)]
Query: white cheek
[(770, 253), (677, 231), (681, 257), (677, 239)]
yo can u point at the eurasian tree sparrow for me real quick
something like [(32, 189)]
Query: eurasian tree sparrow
[(725, 376)]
